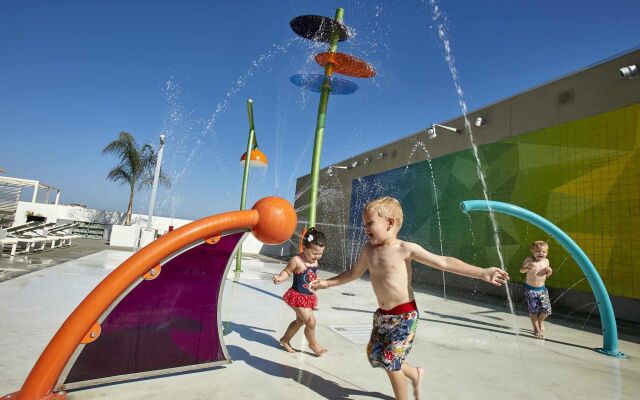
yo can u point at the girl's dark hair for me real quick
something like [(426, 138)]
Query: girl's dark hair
[(314, 236)]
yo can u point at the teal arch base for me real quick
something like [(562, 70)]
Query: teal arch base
[(607, 317)]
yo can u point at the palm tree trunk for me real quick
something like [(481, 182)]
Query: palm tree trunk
[(130, 208)]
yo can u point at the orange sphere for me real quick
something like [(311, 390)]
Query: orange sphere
[(277, 220)]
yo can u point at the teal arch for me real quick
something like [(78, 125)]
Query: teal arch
[(607, 316)]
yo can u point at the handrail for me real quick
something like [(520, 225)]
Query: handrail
[(42, 378), (607, 316)]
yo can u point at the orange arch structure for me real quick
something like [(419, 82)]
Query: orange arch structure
[(272, 221)]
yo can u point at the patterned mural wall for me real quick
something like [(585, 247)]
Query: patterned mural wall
[(584, 176)]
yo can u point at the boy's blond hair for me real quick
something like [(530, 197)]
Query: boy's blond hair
[(538, 244), (386, 207)]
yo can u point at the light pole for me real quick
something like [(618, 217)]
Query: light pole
[(252, 156)]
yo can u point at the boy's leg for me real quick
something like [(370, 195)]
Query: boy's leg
[(534, 322), (545, 310), (398, 383), (309, 320), (541, 319), (415, 375)]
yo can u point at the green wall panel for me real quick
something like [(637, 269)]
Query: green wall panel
[(584, 176)]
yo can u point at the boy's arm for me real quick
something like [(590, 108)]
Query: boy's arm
[(286, 272), (526, 265), (549, 271), (493, 275), (347, 276)]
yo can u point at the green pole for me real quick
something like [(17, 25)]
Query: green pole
[(245, 175), (320, 122)]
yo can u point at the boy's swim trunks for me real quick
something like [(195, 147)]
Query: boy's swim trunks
[(537, 299), (392, 336)]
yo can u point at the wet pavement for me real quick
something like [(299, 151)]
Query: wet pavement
[(470, 349), (20, 264)]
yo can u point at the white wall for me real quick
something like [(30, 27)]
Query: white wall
[(251, 245), (75, 213), (126, 236), (122, 237)]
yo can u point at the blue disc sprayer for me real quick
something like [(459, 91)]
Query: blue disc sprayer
[(607, 316)]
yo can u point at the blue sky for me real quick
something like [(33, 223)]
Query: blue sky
[(73, 74)]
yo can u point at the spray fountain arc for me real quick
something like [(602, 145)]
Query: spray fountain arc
[(607, 316)]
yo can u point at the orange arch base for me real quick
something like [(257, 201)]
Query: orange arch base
[(272, 221)]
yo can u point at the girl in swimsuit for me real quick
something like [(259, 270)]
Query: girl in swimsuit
[(304, 268)]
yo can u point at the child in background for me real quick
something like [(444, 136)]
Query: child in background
[(304, 268), (388, 260), (538, 270)]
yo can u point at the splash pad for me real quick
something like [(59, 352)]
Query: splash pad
[(159, 311)]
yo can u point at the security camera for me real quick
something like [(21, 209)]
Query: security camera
[(629, 72)]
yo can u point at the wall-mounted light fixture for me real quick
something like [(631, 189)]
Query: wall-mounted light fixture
[(366, 161), (431, 132), (332, 167), (480, 122), (629, 72), (354, 164), (380, 155)]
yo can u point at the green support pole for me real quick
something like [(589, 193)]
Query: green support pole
[(320, 121), (245, 175)]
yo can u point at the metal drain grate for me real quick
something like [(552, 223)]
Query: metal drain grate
[(358, 334)]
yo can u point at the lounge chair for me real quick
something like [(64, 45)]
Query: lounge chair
[(41, 232), (11, 243), (64, 232), (25, 240)]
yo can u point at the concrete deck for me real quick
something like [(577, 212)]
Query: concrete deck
[(20, 264), (470, 351)]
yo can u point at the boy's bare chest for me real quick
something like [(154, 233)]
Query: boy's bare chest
[(537, 267), (383, 261)]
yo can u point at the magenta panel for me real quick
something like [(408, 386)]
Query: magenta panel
[(168, 322)]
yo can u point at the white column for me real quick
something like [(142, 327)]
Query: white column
[(35, 192), (156, 176)]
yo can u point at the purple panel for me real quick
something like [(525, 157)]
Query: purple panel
[(168, 322)]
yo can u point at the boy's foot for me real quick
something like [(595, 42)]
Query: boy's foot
[(287, 346), (418, 382), (317, 349)]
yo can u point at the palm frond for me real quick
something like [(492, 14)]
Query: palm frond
[(137, 164), (119, 175), (121, 147)]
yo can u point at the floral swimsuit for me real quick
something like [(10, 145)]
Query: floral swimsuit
[(392, 336)]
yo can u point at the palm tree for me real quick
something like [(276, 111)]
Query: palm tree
[(136, 166)]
